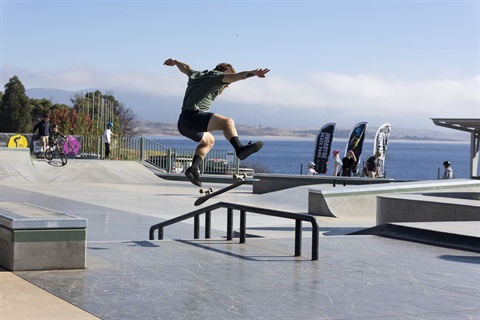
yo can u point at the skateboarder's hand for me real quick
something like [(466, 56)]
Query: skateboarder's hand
[(261, 72), (169, 62)]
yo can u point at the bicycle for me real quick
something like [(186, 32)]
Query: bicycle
[(56, 151)]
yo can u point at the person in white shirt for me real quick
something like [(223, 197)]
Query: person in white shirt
[(448, 173), (107, 138), (337, 162), (311, 169)]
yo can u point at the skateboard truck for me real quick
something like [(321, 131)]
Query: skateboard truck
[(210, 192), (206, 191), (242, 176)]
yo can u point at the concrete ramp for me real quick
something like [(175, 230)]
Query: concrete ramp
[(18, 167), (360, 202), (101, 171)]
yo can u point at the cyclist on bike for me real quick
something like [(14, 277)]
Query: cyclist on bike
[(53, 137)]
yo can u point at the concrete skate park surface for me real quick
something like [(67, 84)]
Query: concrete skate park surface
[(129, 277)]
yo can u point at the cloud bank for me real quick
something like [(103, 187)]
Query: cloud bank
[(362, 96)]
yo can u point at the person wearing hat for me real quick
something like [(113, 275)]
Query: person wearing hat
[(107, 138), (337, 162), (448, 173), (53, 137), (311, 169), (371, 166), (44, 131)]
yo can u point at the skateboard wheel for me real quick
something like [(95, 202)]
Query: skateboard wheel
[(206, 191)]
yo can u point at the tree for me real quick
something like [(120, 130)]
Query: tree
[(40, 107), (128, 121), (71, 122), (15, 108), (104, 108)]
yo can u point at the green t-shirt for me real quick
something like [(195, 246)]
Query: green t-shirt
[(203, 87)]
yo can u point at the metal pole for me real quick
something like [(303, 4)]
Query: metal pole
[(315, 238), (208, 224), (229, 224), (196, 227), (298, 237), (243, 226)]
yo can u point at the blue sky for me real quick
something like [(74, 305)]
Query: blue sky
[(331, 61)]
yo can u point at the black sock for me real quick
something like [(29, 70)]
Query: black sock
[(196, 162), (235, 142)]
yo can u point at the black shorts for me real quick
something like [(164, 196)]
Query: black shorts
[(192, 124)]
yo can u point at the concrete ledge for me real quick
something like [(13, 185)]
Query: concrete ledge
[(274, 182), (361, 201), (33, 238), (425, 208)]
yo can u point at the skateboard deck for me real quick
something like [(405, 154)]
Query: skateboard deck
[(210, 193)]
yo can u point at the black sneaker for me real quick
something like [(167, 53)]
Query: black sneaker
[(194, 176), (248, 149)]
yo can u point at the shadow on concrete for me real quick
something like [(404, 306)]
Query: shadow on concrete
[(464, 259)]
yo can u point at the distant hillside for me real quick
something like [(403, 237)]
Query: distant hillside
[(54, 95), (150, 128)]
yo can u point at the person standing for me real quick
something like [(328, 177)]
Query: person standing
[(448, 173), (371, 165), (311, 169), (107, 138), (348, 163), (337, 162), (44, 131), (197, 123)]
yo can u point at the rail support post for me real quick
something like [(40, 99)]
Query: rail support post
[(243, 226), (208, 224), (229, 224), (196, 227), (298, 237)]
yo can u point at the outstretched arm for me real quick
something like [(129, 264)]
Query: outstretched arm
[(233, 77), (183, 67)]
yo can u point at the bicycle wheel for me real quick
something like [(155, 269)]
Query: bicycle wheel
[(63, 157), (49, 154)]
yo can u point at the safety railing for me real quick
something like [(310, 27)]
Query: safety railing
[(172, 160), (298, 217)]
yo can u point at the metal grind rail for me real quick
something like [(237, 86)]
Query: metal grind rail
[(298, 217)]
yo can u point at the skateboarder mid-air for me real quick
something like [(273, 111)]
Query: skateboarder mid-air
[(196, 123)]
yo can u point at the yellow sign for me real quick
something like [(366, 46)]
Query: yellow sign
[(17, 141)]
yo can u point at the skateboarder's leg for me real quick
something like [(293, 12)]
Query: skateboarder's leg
[(205, 145), (220, 123), (227, 125)]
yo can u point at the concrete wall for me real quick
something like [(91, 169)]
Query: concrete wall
[(33, 238), (423, 208), (361, 201), (275, 182), (47, 249)]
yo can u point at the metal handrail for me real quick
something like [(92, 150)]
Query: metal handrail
[(298, 217)]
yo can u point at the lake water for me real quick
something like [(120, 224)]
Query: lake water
[(411, 160)]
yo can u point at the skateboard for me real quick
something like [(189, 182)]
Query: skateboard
[(210, 192)]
